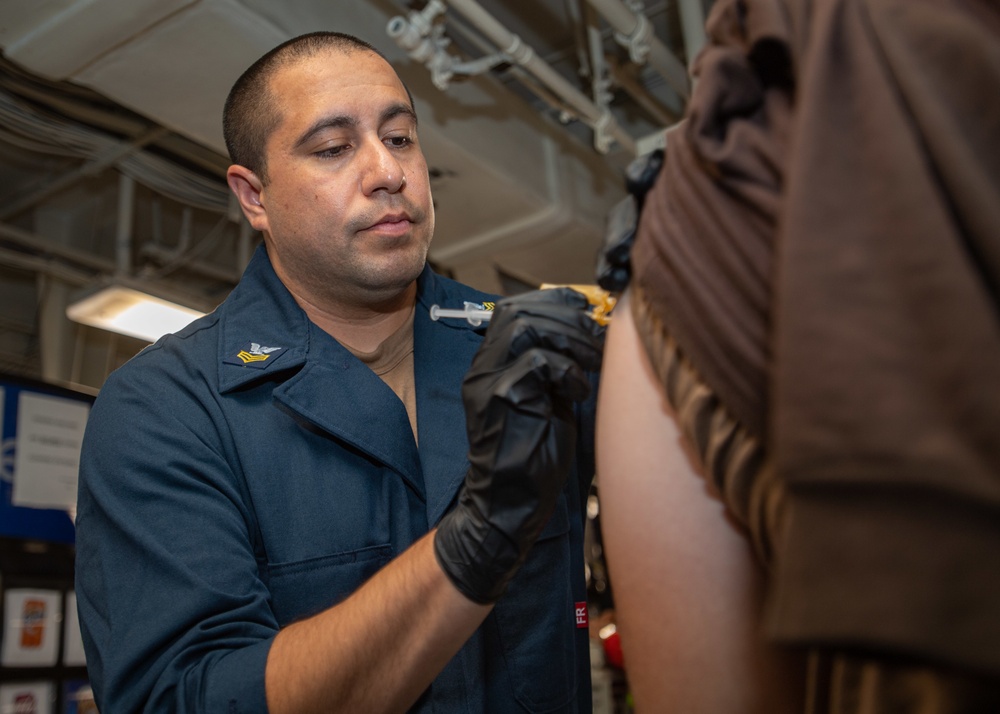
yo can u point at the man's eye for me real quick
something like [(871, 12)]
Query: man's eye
[(331, 152), (398, 141)]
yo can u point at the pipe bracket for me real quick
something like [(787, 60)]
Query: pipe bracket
[(638, 41)]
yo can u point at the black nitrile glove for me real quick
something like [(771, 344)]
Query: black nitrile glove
[(519, 396)]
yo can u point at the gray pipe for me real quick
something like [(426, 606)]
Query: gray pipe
[(622, 19), (525, 56)]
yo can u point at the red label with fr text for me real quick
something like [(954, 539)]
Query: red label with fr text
[(580, 612)]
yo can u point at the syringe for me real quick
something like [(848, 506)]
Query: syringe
[(601, 304), (474, 315)]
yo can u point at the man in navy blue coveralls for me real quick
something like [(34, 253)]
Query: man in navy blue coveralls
[(257, 528)]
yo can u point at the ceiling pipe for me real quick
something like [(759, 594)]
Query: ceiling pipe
[(576, 9), (606, 129), (599, 118), (600, 79), (606, 72), (512, 71), (692, 27), (424, 40), (638, 31)]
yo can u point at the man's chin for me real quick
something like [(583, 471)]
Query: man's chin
[(394, 277)]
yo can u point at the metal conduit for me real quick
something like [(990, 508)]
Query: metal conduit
[(522, 54), (692, 26), (620, 17)]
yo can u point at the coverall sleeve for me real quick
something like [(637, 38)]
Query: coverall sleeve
[(174, 613)]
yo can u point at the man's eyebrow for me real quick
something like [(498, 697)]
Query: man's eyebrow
[(396, 110), (341, 121), (344, 121)]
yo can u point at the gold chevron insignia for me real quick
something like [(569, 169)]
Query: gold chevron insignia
[(247, 357), (489, 305)]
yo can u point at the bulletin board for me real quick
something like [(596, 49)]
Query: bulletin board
[(41, 427), (42, 662)]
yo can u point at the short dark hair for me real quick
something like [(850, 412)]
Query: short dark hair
[(250, 113)]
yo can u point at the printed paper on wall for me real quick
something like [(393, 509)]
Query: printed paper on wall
[(32, 627)]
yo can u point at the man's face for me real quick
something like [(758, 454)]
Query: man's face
[(347, 205)]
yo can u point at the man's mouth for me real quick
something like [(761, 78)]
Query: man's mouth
[(396, 218), (391, 220), (391, 225)]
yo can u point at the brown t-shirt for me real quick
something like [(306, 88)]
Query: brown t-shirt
[(393, 362), (824, 245)]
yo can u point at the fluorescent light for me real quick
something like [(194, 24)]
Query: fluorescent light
[(131, 312)]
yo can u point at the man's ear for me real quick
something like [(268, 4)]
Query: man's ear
[(247, 187)]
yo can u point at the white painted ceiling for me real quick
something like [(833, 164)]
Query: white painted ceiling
[(83, 83)]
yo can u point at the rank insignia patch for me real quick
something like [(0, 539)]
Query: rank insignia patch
[(255, 355)]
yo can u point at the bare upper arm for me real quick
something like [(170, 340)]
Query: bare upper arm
[(687, 590)]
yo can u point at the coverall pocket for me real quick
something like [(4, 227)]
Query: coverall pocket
[(306, 587), (534, 618)]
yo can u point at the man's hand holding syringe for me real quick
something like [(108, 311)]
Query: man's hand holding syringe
[(519, 397)]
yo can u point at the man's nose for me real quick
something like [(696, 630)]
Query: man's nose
[(381, 170)]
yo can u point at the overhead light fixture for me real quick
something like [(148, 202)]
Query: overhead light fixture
[(131, 310)]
